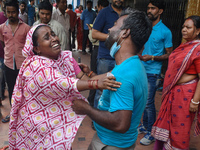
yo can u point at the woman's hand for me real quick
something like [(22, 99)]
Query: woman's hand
[(108, 83), (84, 68), (193, 107)]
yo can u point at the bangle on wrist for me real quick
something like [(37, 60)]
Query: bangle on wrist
[(197, 103), (89, 75), (152, 58), (90, 84), (96, 84), (82, 76)]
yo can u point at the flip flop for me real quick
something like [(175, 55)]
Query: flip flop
[(6, 119)]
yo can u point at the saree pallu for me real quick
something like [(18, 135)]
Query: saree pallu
[(174, 119)]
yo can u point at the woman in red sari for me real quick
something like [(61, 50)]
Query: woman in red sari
[(181, 94), (79, 28)]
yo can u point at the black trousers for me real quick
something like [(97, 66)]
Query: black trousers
[(93, 66), (72, 35), (11, 76), (85, 39)]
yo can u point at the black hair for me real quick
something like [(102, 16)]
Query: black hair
[(158, 3), (70, 6), (89, 2), (196, 20), (57, 1), (45, 5), (22, 2), (13, 3), (31, 0), (140, 26), (103, 3)]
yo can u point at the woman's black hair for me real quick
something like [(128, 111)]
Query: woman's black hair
[(196, 20), (35, 37)]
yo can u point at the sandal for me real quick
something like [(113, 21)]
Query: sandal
[(6, 119), (5, 148)]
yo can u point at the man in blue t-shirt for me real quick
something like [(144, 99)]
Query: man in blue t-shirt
[(153, 55), (119, 112), (31, 13), (104, 21), (87, 18)]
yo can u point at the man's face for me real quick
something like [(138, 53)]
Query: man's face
[(117, 3), (45, 15), (12, 13), (153, 12), (62, 5), (114, 32), (22, 7), (32, 2), (89, 6)]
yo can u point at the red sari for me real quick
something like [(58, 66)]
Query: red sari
[(79, 30), (174, 119)]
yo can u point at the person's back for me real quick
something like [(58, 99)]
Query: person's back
[(31, 12), (132, 95)]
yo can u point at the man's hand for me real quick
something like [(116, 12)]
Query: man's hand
[(146, 57), (80, 106)]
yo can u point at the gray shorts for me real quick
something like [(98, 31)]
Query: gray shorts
[(96, 144)]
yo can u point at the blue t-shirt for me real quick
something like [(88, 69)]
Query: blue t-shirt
[(160, 38), (132, 95), (104, 21), (31, 11), (88, 18)]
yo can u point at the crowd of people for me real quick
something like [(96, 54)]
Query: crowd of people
[(127, 49)]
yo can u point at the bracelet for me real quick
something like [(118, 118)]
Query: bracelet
[(152, 58), (89, 75), (197, 103), (96, 84), (90, 84), (82, 76)]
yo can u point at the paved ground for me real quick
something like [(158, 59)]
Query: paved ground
[(85, 132)]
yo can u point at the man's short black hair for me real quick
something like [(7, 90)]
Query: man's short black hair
[(140, 26), (103, 3), (31, 0), (70, 6), (22, 2), (89, 2), (45, 5), (13, 3), (158, 3)]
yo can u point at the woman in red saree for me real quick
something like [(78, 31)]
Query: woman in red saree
[(181, 92), (79, 27)]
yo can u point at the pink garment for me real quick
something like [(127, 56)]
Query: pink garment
[(76, 67), (41, 116), (14, 43)]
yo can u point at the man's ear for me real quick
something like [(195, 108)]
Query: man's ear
[(160, 11), (126, 33)]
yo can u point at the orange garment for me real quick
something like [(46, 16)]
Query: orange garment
[(194, 68)]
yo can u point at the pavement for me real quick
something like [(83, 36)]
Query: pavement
[(85, 132)]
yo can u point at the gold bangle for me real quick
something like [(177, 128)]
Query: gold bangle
[(152, 58)]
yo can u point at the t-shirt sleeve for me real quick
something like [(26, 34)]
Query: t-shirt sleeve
[(76, 67), (83, 15), (168, 39), (100, 21), (123, 98)]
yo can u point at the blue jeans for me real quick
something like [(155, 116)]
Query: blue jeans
[(30, 21), (103, 66), (150, 111)]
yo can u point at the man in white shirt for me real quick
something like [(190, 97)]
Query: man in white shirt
[(22, 14), (63, 18)]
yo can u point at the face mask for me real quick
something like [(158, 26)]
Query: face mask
[(115, 48)]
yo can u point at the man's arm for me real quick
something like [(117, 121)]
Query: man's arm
[(99, 35), (158, 58), (118, 121)]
